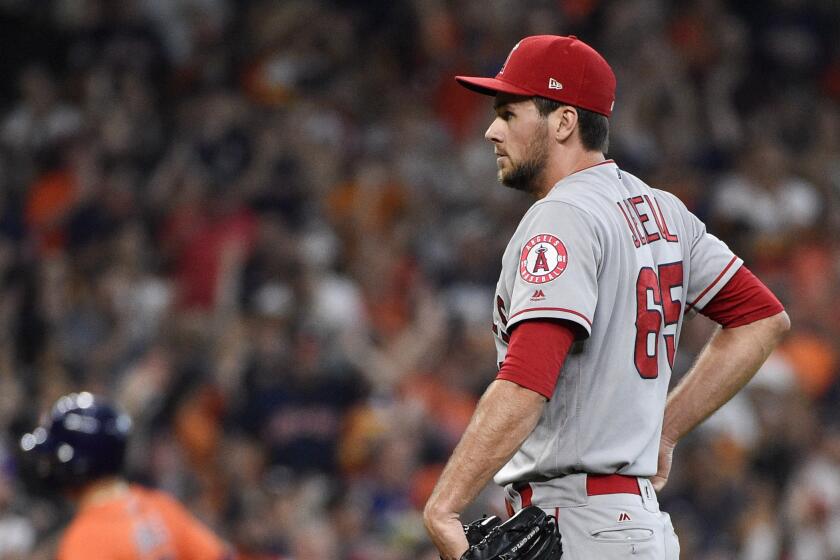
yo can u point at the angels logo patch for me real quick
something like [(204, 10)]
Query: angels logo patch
[(543, 259), (516, 46)]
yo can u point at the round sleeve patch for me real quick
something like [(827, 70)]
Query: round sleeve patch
[(543, 259)]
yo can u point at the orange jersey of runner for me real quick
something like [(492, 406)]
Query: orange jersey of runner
[(142, 525)]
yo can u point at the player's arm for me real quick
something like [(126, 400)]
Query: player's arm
[(753, 323), (506, 414)]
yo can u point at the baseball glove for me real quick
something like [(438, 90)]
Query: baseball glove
[(528, 535), (480, 528)]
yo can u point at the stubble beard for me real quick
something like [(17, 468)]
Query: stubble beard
[(526, 176)]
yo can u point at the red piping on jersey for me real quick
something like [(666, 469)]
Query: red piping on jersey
[(591, 166), (573, 312), (743, 300), (526, 493), (712, 285)]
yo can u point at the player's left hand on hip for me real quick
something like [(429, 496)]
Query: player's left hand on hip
[(447, 534), (666, 457)]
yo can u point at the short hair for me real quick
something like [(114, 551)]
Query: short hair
[(594, 127)]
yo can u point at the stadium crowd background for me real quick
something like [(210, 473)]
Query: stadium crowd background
[(272, 231)]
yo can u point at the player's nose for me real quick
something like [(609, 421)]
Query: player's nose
[(494, 132)]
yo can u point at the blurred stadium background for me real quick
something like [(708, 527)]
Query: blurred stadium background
[(271, 229)]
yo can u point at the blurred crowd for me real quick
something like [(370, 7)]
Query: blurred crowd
[(272, 231)]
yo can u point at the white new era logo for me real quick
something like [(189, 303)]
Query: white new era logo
[(554, 84)]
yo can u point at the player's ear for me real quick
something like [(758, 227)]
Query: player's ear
[(563, 122)]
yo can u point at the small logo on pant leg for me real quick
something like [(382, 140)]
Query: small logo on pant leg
[(623, 516)]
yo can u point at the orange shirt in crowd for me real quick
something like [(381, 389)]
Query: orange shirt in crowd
[(48, 204), (142, 524)]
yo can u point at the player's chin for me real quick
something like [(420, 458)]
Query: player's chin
[(509, 177), (504, 172)]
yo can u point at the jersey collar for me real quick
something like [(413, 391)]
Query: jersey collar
[(606, 161)]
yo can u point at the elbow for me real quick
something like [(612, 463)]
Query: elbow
[(779, 325), (782, 323)]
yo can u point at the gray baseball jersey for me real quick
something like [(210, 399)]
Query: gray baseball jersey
[(625, 262)]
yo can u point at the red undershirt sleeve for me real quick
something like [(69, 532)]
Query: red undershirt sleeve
[(744, 300), (536, 352)]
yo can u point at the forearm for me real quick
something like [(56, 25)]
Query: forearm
[(725, 365), (505, 416)]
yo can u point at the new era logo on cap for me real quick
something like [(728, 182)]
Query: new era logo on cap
[(564, 69)]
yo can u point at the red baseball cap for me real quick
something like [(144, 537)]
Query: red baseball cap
[(564, 69)]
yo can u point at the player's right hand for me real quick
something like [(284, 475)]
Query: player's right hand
[(666, 457), (447, 534)]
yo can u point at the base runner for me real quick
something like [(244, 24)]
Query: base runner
[(78, 454)]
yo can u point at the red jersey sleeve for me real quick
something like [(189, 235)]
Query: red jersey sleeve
[(536, 352), (743, 300)]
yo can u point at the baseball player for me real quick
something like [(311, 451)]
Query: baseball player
[(595, 284), (79, 452)]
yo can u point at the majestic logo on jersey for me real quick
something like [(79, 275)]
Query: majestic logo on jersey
[(538, 295), (543, 259)]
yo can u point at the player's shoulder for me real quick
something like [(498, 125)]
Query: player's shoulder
[(157, 498), (587, 190), (669, 199), (676, 211), (76, 532), (571, 195), (564, 217), (573, 200), (90, 518), (82, 530), (665, 200), (558, 212)]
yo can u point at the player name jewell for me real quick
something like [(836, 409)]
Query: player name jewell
[(637, 211)]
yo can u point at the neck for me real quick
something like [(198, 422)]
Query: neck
[(561, 167), (101, 491)]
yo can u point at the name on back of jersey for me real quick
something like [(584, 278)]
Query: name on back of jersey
[(643, 230)]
